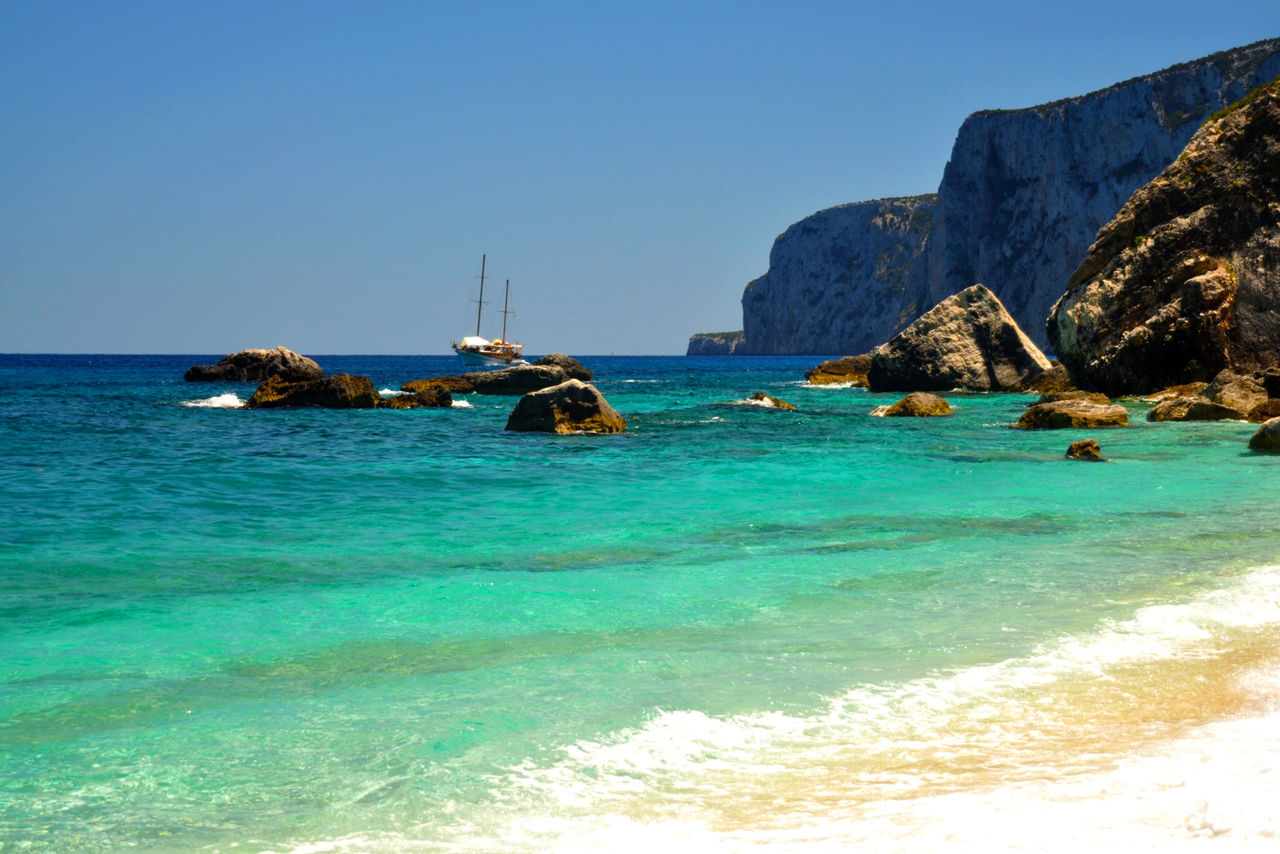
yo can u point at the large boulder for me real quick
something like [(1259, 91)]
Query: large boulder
[(1183, 282), (341, 391), (520, 379), (570, 407), (966, 341), (1064, 414), (573, 369), (851, 370), (256, 366)]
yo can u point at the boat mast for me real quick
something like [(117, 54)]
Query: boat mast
[(505, 301), (480, 302)]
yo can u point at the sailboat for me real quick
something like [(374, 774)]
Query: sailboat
[(477, 351)]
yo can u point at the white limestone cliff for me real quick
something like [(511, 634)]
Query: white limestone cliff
[(1021, 199)]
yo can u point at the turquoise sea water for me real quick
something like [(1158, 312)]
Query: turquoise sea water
[(729, 626)]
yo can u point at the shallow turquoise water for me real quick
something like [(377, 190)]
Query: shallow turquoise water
[(278, 629)]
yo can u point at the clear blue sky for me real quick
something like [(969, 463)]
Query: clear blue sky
[(183, 177)]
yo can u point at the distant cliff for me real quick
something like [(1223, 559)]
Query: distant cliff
[(838, 280), (714, 343), (1021, 199)]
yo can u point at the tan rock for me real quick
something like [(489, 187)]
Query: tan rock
[(570, 407), (1072, 413), (918, 404)]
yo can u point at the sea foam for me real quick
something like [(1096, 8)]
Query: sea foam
[(222, 401), (1014, 755)]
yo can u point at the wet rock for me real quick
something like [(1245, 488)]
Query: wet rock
[(1085, 449), (851, 370), (769, 402), (341, 391), (570, 407), (431, 397)]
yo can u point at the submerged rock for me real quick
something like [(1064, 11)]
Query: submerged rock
[(570, 407), (966, 341), (1085, 449), (769, 402), (918, 404), (432, 397), (573, 369), (847, 369), (256, 366), (1063, 414), (341, 391)]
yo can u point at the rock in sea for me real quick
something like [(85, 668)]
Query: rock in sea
[(1267, 437), (847, 369), (432, 397), (341, 391), (521, 379), (570, 407), (573, 369), (918, 404), (1062, 414), (966, 341), (256, 366), (1085, 449)]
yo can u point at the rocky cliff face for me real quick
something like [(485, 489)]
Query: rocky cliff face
[(838, 280), (1185, 280), (1020, 201)]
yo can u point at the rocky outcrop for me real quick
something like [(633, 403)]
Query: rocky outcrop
[(1230, 397), (570, 407), (918, 404), (256, 366), (838, 280), (847, 370), (1184, 281), (714, 343), (573, 369), (1085, 449), (520, 379), (966, 341), (1063, 414), (341, 391), (1021, 199)]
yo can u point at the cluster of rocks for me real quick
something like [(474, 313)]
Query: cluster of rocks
[(1178, 292), (557, 396)]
